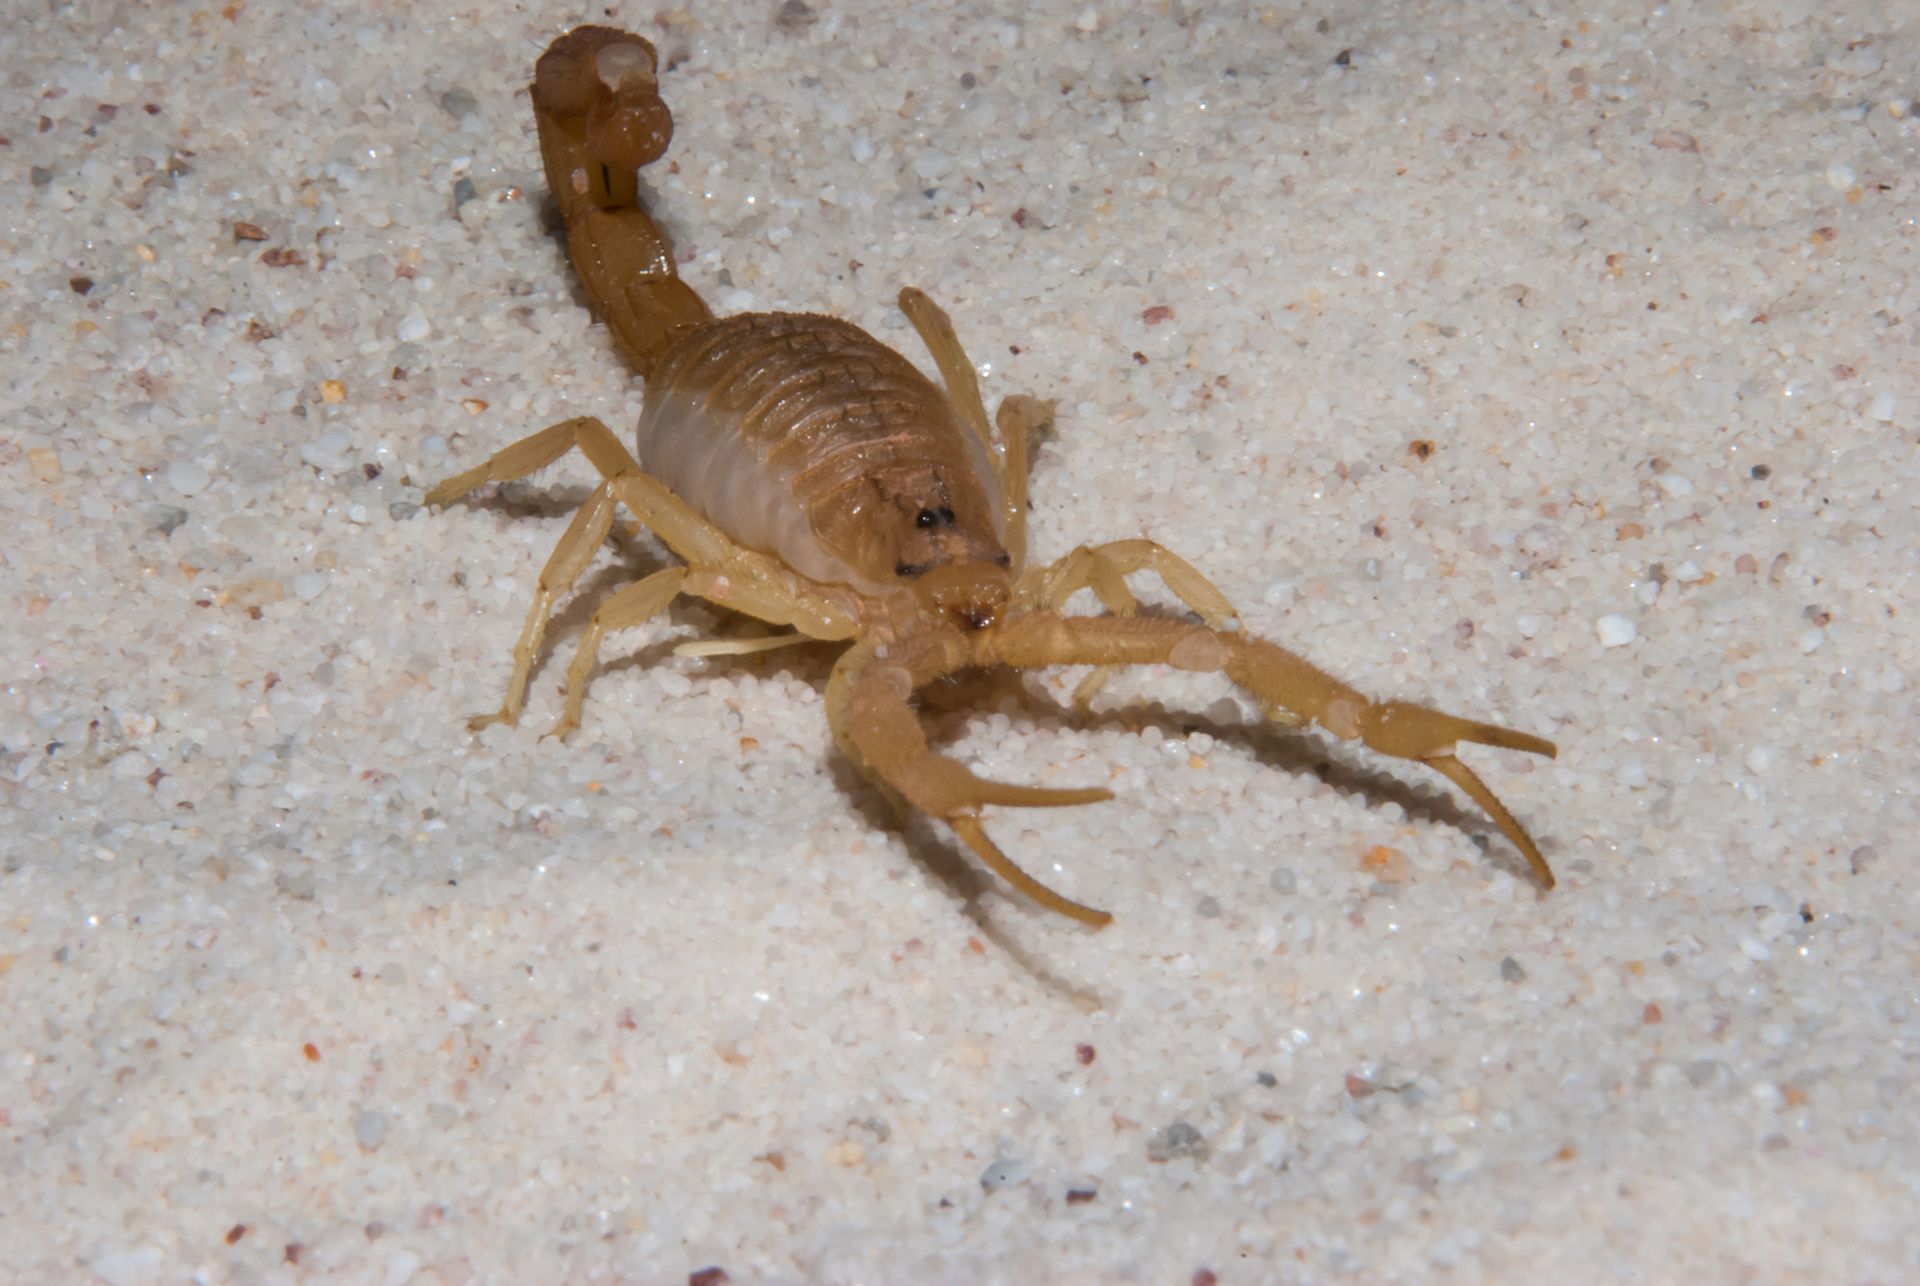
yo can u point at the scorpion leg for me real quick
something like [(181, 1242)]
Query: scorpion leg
[(1289, 687), (529, 455), (876, 729), (720, 570), (1009, 443), (1104, 569), (1020, 420), (963, 388), (569, 558), (631, 605)]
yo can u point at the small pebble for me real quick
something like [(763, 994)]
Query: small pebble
[(370, 1129), (1004, 1173), (1511, 970), (413, 328), (1615, 630), (1540, 543), (1176, 1141), (188, 477), (330, 451)]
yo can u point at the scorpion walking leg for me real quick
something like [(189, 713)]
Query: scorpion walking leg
[(1104, 569), (1018, 421), (875, 728), (529, 455), (1290, 688), (569, 558), (963, 389), (633, 605), (717, 560)]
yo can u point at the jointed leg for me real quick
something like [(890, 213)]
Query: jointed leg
[(679, 527), (569, 558), (1019, 420), (529, 455), (632, 605), (719, 569), (1289, 687), (867, 706), (1104, 569), (1009, 443), (963, 388)]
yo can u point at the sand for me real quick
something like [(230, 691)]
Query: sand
[(1558, 372)]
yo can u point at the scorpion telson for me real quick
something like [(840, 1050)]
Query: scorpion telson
[(808, 475)]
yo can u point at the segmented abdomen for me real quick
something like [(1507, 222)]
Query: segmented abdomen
[(773, 425)]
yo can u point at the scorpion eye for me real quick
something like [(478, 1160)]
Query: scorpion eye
[(926, 518), (946, 515), (908, 569)]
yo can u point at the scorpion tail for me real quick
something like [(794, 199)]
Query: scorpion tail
[(597, 103)]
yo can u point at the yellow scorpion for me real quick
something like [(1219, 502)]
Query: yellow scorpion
[(808, 475)]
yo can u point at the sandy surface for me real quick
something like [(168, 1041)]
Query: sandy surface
[(302, 980)]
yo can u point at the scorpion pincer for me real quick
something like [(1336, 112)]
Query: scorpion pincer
[(806, 474)]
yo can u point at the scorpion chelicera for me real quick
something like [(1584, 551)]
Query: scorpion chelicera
[(810, 476)]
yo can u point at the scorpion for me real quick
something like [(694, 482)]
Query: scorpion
[(807, 475)]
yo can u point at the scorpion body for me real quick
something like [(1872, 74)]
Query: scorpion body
[(797, 433), (810, 476)]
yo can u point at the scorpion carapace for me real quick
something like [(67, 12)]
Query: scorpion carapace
[(808, 475)]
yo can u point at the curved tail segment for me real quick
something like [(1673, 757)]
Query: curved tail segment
[(597, 103)]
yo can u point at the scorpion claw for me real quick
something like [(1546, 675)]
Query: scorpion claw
[(1429, 736), (968, 828), (1009, 795)]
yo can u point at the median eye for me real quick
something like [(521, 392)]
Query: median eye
[(908, 570), (926, 518), (946, 515)]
